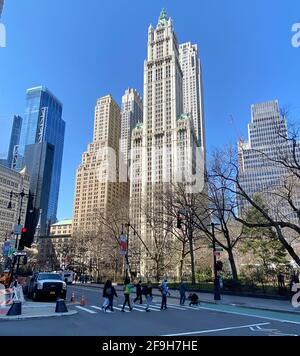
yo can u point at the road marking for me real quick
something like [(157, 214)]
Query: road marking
[(98, 308), (170, 306), (217, 330), (251, 315), (86, 310), (144, 308), (126, 311)]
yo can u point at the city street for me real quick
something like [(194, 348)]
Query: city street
[(208, 319)]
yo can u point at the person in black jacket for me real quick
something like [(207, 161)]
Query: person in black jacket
[(111, 293), (105, 295), (147, 291), (139, 295)]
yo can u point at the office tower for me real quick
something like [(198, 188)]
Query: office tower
[(14, 141), (131, 114), (165, 135), (193, 103), (43, 124), (97, 180), (11, 180), (259, 173), (1, 7)]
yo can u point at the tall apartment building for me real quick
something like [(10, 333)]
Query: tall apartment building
[(268, 137), (12, 181), (97, 180), (131, 114), (43, 129), (192, 87), (165, 136)]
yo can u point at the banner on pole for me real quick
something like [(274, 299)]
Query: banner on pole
[(123, 245)]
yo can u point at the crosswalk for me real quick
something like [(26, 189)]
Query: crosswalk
[(154, 307)]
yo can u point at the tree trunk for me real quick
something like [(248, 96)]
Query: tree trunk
[(287, 246), (190, 233), (232, 264), (182, 261)]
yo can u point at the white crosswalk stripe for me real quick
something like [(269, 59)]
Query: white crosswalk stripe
[(170, 307), (97, 308), (86, 310), (144, 308)]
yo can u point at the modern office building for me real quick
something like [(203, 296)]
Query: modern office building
[(163, 146), (193, 103), (131, 114), (97, 180), (14, 141), (259, 173), (1, 7), (12, 181), (43, 126)]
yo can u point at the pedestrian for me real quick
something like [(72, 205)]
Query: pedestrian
[(147, 291), (182, 290), (138, 293), (127, 292), (111, 293), (106, 293), (164, 293)]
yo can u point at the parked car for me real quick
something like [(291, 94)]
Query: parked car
[(67, 276), (46, 285)]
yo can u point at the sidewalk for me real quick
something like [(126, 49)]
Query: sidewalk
[(283, 306), (32, 310)]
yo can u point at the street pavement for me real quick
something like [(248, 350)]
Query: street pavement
[(206, 320)]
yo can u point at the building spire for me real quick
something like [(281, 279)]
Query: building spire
[(163, 18)]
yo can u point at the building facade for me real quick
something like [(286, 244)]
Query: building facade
[(131, 114), (157, 144), (97, 179), (1, 7), (61, 228), (267, 142), (193, 103), (43, 124), (12, 181)]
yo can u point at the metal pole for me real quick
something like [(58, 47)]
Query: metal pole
[(217, 295)]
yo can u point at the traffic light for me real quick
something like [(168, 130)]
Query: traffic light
[(179, 221), (24, 237), (219, 265)]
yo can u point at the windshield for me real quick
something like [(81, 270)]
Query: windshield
[(49, 276)]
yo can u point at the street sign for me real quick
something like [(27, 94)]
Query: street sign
[(123, 245), (218, 248), (20, 254), (17, 229)]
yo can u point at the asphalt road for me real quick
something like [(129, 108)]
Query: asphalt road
[(208, 320)]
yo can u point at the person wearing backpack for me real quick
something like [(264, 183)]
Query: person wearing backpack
[(127, 292), (111, 293), (139, 295), (147, 291), (106, 293)]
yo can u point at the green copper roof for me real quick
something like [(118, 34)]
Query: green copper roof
[(183, 117), (139, 125), (163, 18), (63, 222)]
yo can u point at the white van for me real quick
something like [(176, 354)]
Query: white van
[(67, 276)]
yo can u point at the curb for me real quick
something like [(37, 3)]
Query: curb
[(296, 312), (41, 316)]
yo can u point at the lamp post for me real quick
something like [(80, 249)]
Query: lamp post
[(128, 225), (217, 294), (21, 195)]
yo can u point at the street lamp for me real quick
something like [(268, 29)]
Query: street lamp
[(217, 294), (128, 225)]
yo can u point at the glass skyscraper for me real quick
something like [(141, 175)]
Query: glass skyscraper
[(43, 123)]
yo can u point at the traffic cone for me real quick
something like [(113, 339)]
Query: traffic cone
[(73, 298), (82, 300)]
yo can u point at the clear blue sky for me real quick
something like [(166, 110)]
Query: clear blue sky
[(82, 50)]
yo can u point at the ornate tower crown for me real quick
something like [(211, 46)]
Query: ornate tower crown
[(163, 18)]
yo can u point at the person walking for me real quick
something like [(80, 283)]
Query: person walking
[(164, 293), (139, 295), (147, 291), (127, 292), (111, 293), (182, 290), (106, 293)]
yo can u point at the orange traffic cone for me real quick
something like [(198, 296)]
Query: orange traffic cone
[(82, 300), (73, 298)]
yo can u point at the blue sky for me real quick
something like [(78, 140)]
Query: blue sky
[(82, 50)]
